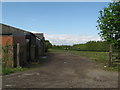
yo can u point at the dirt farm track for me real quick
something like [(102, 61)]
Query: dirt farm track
[(63, 70)]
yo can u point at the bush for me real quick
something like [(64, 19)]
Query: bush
[(48, 45)]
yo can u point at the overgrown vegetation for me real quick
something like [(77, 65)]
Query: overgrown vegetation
[(7, 60), (9, 70), (7, 55), (48, 45)]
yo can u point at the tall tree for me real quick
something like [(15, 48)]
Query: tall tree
[(109, 25), (109, 22)]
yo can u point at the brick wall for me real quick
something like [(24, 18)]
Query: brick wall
[(7, 50), (6, 39)]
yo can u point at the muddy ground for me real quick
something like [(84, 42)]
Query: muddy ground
[(63, 70)]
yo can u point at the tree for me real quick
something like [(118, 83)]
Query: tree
[(109, 22), (47, 45), (109, 25)]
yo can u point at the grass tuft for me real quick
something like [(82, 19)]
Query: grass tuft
[(6, 71)]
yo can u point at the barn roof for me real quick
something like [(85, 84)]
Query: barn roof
[(40, 35), (7, 30)]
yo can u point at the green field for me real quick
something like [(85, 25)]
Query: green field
[(101, 58)]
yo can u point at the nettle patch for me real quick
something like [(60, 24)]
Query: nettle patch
[(7, 55)]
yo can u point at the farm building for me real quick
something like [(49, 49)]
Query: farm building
[(41, 36), (25, 47)]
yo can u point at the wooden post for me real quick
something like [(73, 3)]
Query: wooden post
[(110, 55), (119, 65), (18, 55)]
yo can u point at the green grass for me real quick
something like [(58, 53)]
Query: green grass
[(6, 71), (57, 50), (112, 68), (98, 57), (101, 57)]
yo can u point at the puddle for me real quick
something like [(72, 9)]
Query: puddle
[(37, 73), (65, 62), (19, 76), (9, 85), (28, 74), (44, 57)]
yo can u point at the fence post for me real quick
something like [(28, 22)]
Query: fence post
[(18, 55), (110, 55)]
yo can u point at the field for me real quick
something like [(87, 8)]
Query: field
[(101, 58)]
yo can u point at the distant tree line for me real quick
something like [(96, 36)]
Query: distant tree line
[(65, 47), (102, 46), (93, 46), (48, 45)]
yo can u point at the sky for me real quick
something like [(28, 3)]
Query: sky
[(63, 23)]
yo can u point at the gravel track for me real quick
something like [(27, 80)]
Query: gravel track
[(63, 70)]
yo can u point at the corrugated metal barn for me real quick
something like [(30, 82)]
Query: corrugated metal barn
[(26, 47)]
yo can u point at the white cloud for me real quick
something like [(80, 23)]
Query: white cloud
[(68, 39)]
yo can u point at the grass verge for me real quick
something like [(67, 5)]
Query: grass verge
[(9, 70), (6, 71), (98, 57)]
